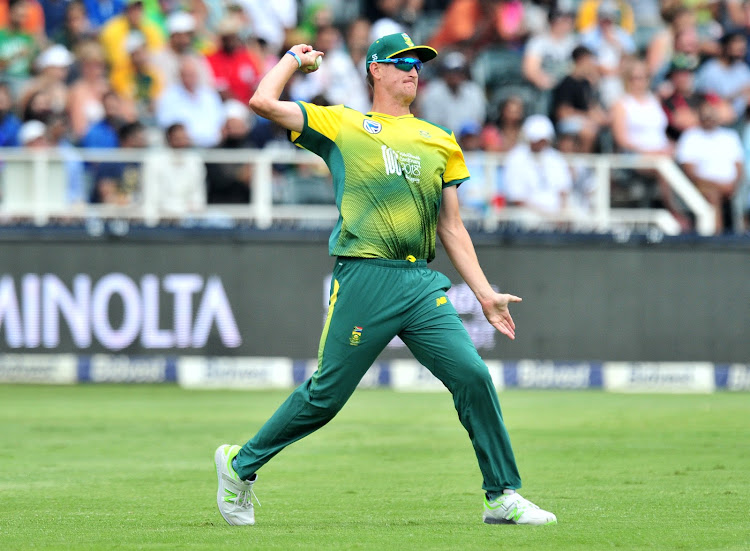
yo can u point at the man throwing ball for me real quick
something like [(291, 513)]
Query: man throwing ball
[(395, 179)]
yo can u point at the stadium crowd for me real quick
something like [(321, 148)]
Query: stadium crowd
[(530, 78)]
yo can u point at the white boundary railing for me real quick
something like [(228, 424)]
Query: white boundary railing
[(263, 211)]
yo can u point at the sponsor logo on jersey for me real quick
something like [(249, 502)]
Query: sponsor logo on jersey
[(425, 134), (356, 336), (373, 127)]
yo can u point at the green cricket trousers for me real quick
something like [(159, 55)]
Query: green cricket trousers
[(371, 301)]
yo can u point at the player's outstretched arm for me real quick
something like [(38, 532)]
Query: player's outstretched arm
[(460, 249), (265, 102)]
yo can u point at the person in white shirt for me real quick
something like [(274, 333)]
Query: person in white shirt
[(712, 157), (174, 178), (536, 174), (193, 104)]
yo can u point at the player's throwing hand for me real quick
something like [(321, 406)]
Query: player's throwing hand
[(308, 58)]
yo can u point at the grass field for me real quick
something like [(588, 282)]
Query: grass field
[(131, 467)]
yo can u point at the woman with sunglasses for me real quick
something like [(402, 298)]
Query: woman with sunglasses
[(395, 179)]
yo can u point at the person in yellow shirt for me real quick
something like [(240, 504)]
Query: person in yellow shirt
[(115, 33), (139, 80), (587, 10)]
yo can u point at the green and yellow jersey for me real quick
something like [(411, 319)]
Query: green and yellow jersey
[(388, 176)]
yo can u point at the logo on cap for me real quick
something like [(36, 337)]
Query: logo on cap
[(373, 127), (407, 40)]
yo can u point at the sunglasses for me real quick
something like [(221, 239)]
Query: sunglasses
[(404, 63)]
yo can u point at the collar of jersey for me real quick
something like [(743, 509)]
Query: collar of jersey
[(383, 115)]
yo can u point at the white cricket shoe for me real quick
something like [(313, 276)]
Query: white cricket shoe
[(514, 509), (234, 497)]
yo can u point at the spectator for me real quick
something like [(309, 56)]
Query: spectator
[(30, 19), (661, 48), (181, 29), (470, 25), (582, 175), (388, 19), (546, 58), (119, 183), (100, 12), (611, 44), (342, 75), (76, 28), (728, 75), (576, 97), (474, 195), (229, 182), (270, 21), (38, 108), (681, 105), (536, 174), (54, 15), (17, 46), (236, 70), (453, 99), (114, 35), (197, 107), (105, 133), (504, 135), (174, 178), (86, 92), (9, 122), (53, 66), (712, 157), (639, 125), (588, 12), (58, 135), (139, 81)]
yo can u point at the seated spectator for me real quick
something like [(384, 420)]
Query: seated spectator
[(105, 133), (639, 125), (269, 21), (86, 92), (662, 48), (576, 97), (236, 70), (119, 183), (53, 66), (611, 44), (174, 178), (728, 75), (504, 135), (76, 28), (712, 157), (681, 106), (30, 19), (139, 81), (387, 19), (342, 78), (546, 58), (229, 182), (453, 99), (181, 29), (38, 108), (536, 174), (196, 106), (9, 122), (58, 136), (473, 194), (588, 12), (582, 174), (114, 35), (17, 46)]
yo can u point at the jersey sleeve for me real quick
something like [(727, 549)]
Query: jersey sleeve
[(321, 127), (456, 170)]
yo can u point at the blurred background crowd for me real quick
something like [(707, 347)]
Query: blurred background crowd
[(530, 78)]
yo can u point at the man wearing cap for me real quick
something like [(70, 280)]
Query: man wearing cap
[(181, 29), (395, 179), (236, 70), (536, 174)]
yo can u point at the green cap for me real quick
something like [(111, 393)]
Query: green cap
[(392, 45)]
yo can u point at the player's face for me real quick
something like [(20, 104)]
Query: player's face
[(401, 84)]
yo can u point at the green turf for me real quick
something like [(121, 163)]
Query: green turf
[(131, 467)]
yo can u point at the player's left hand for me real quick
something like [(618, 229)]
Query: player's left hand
[(497, 313)]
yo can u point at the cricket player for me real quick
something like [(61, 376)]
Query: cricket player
[(395, 178)]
